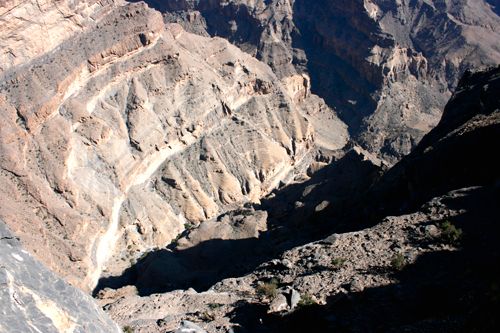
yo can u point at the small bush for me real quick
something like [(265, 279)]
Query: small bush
[(306, 300), (450, 234), (268, 289), (398, 262), (128, 329), (176, 239), (189, 226), (207, 317), (338, 262), (214, 306)]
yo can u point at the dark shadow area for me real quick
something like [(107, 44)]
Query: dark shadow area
[(457, 153), (445, 291), (294, 218), (334, 40), (165, 6), (495, 6)]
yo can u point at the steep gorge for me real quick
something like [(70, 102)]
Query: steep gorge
[(387, 67), (149, 148), (128, 132)]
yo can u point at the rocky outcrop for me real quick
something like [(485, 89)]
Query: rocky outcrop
[(403, 265), (387, 67), (33, 299), (30, 29), (425, 267), (123, 131), (455, 154)]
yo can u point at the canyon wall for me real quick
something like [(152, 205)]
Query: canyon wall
[(120, 132), (387, 67)]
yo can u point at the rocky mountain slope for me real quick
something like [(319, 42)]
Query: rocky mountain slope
[(122, 132), (184, 161), (33, 299), (387, 67), (430, 268)]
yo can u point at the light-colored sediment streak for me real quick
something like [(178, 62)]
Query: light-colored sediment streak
[(154, 161), (108, 240), (145, 170)]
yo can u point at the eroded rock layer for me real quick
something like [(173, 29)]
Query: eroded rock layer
[(33, 299), (428, 262), (387, 66), (119, 132)]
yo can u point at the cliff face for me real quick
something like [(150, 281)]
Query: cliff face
[(119, 132), (427, 264), (455, 154), (387, 67), (33, 299)]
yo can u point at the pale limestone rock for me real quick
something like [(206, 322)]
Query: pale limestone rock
[(96, 119), (388, 67), (278, 304)]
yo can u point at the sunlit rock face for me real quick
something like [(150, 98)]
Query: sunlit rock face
[(424, 222), (388, 67), (120, 130)]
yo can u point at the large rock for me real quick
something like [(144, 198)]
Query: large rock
[(33, 299)]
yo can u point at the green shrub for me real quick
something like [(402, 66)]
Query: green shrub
[(207, 317), (306, 300), (268, 289), (189, 226), (450, 234), (128, 329), (214, 306), (338, 262), (398, 262), (176, 239)]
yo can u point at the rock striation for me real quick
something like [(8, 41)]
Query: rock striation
[(33, 299), (425, 265), (387, 67), (122, 131), (142, 153)]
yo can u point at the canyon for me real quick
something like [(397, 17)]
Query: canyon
[(172, 157), (387, 67)]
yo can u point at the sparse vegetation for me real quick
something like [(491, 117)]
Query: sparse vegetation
[(268, 289), (176, 239), (306, 300), (338, 262), (398, 262), (128, 329), (449, 233), (214, 306), (189, 226), (207, 316)]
